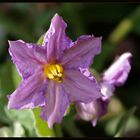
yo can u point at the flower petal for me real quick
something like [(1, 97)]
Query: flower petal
[(30, 93), (92, 111), (118, 72), (79, 88), (87, 111), (107, 90), (55, 40), (82, 52), (57, 102), (27, 57), (87, 73)]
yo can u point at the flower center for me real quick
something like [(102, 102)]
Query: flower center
[(54, 72)]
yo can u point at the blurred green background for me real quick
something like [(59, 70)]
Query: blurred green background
[(119, 24)]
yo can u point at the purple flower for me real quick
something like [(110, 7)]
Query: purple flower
[(51, 72), (115, 75)]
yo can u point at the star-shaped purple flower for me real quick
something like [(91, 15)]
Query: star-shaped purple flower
[(51, 72)]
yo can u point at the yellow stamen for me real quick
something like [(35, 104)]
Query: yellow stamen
[(54, 72)]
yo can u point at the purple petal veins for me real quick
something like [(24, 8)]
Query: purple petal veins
[(86, 90), (29, 94), (82, 52), (55, 40), (56, 104), (27, 57), (52, 72)]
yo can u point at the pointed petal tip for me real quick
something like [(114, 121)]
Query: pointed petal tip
[(10, 106), (94, 122), (8, 96), (101, 37), (14, 42), (92, 35), (50, 125), (56, 16), (58, 20), (118, 72), (125, 56), (9, 41), (128, 54)]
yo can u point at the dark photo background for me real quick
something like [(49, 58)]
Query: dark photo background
[(117, 23)]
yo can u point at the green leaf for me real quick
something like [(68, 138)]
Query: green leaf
[(18, 130), (16, 77), (121, 126), (69, 125), (6, 87), (24, 117), (6, 78), (15, 131), (41, 126), (135, 16), (121, 31), (40, 40), (71, 128), (125, 26), (6, 132), (58, 131), (9, 79)]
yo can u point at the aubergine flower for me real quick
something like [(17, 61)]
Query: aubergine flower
[(115, 75), (51, 72)]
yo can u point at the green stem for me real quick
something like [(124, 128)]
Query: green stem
[(58, 130), (125, 27), (121, 127), (41, 126)]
